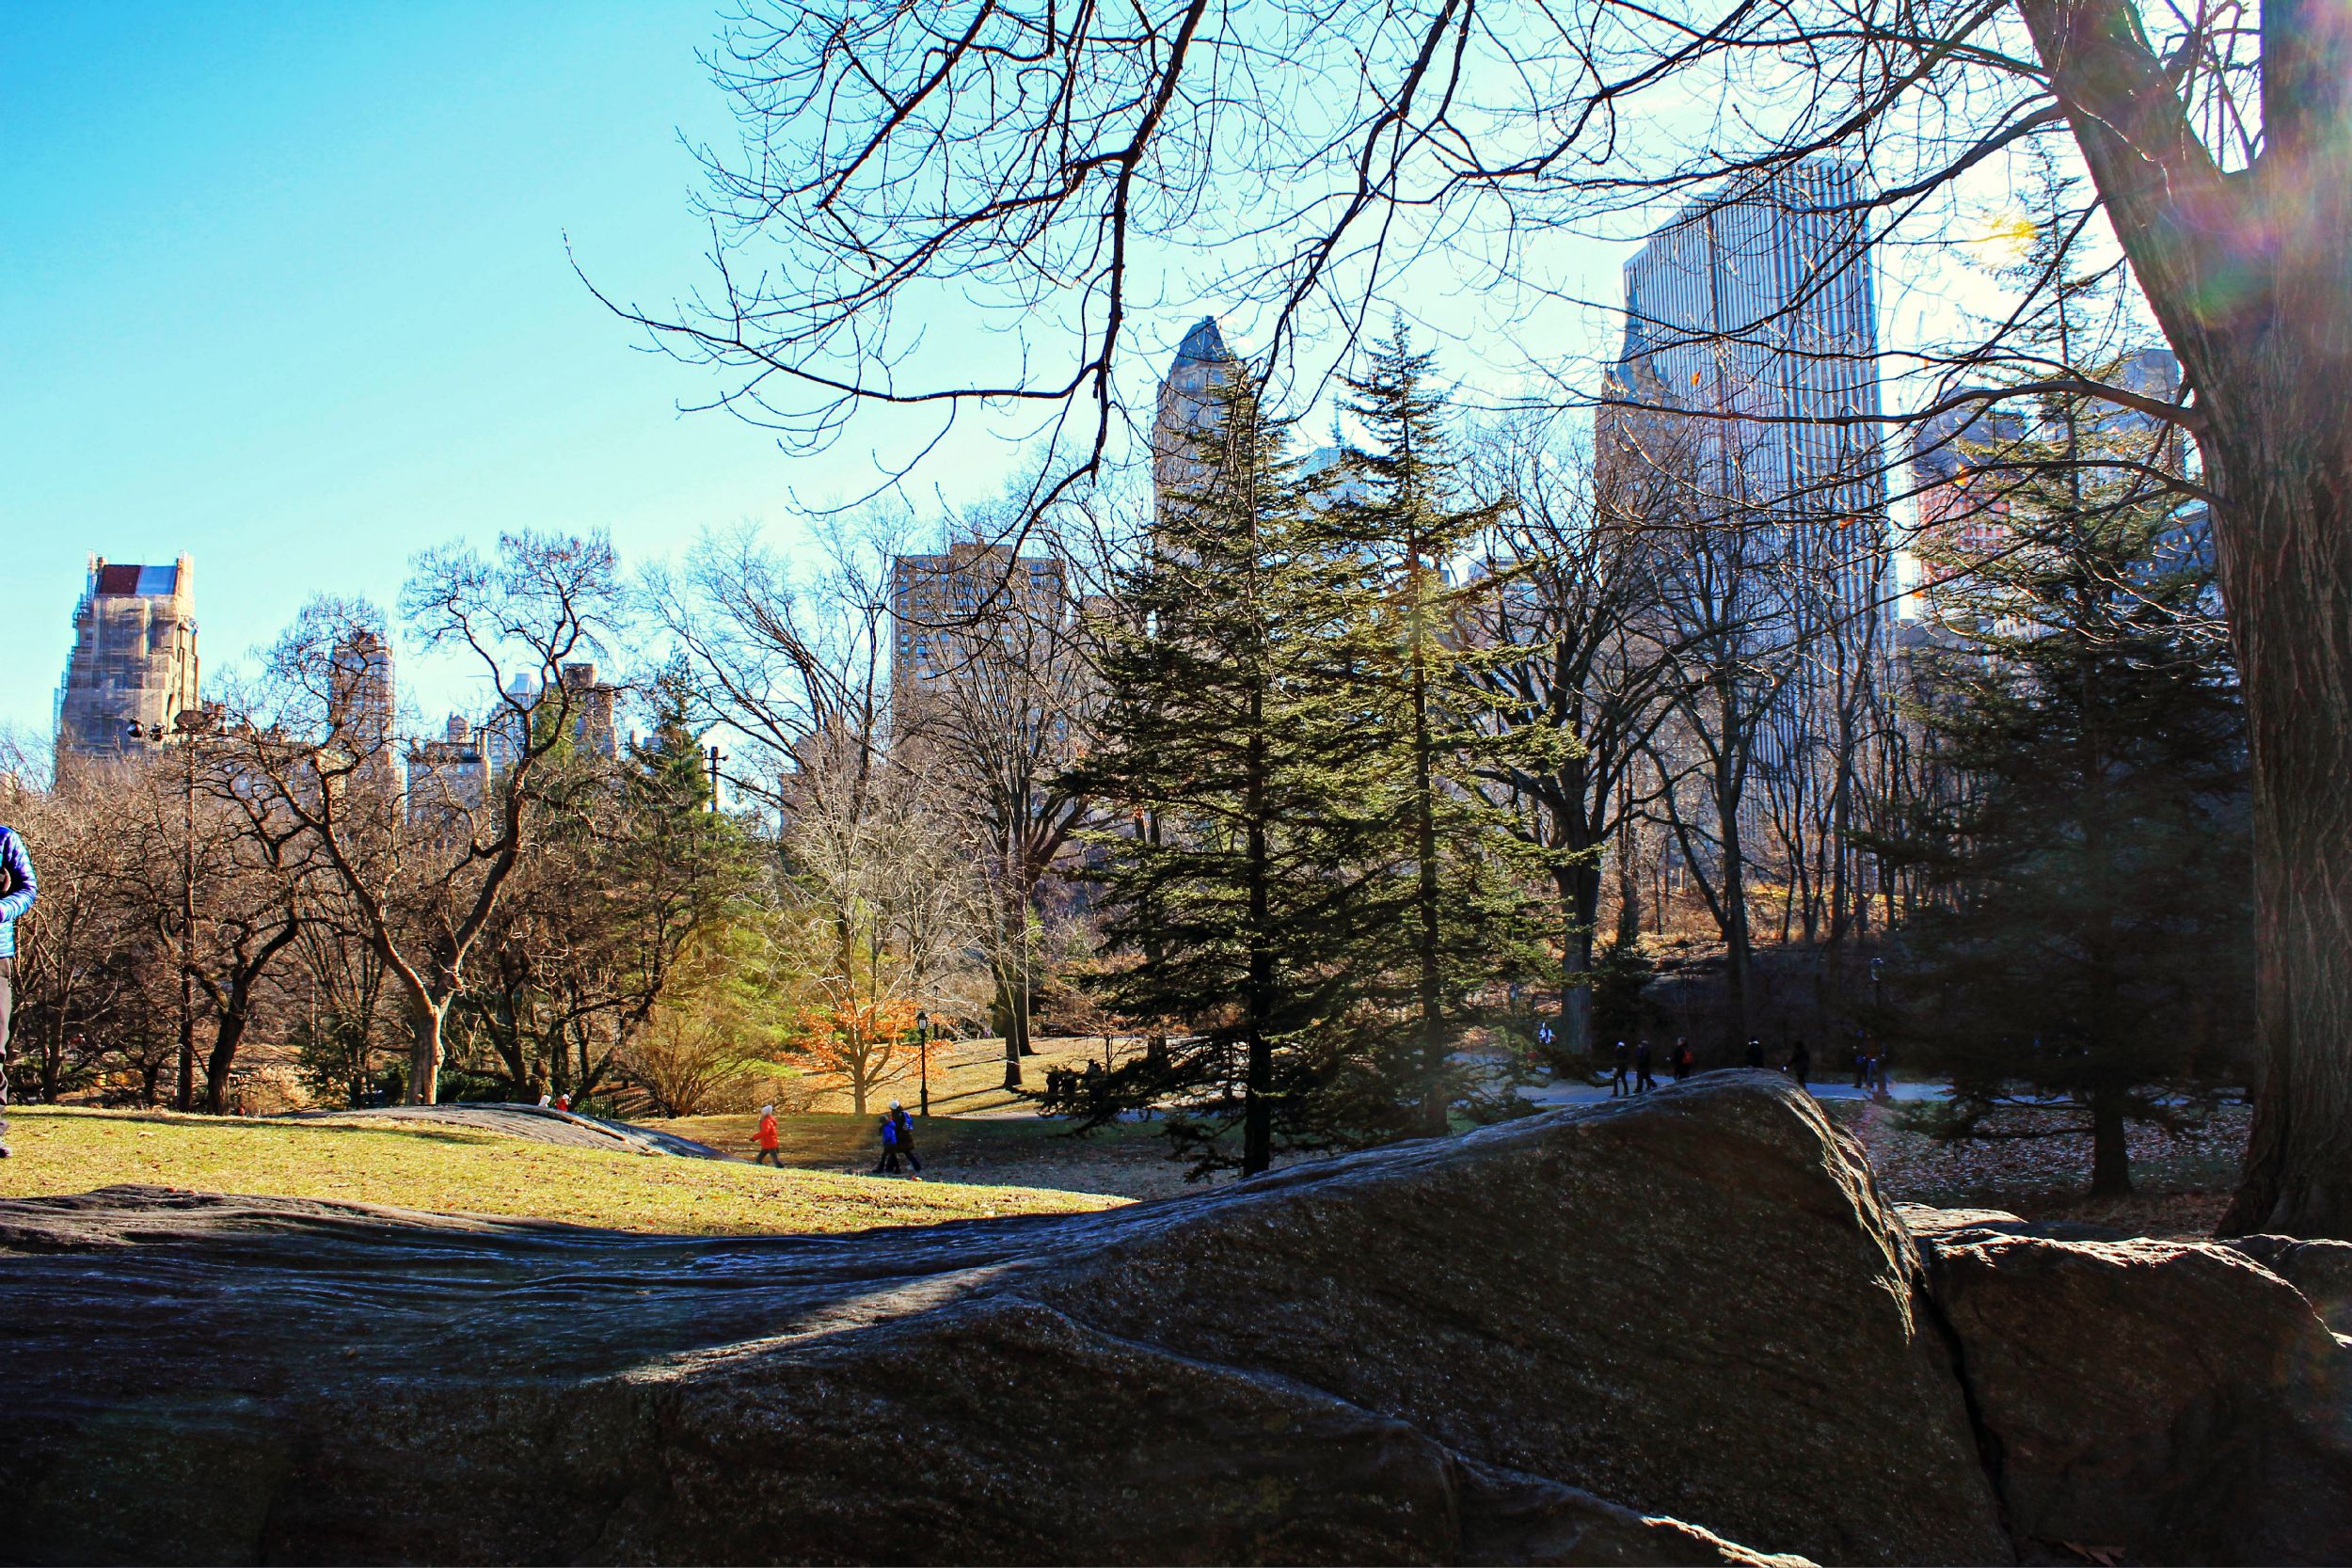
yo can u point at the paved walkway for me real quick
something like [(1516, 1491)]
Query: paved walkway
[(1569, 1092)]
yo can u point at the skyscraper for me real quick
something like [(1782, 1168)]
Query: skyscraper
[(1187, 408), (1751, 350), (133, 668), (359, 702), (946, 607), (1741, 423)]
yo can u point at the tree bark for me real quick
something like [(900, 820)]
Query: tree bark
[(424, 1050), (2292, 591), (2110, 1155), (2250, 275)]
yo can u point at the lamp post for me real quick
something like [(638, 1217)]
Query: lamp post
[(923, 1050), (188, 724)]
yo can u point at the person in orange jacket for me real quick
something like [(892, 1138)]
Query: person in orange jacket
[(768, 1155)]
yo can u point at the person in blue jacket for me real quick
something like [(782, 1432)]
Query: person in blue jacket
[(17, 889)]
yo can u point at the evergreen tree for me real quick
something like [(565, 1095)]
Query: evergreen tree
[(2089, 858), (1226, 730), (1456, 916), (667, 766)]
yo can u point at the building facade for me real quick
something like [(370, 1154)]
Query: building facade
[(1744, 407), (133, 668)]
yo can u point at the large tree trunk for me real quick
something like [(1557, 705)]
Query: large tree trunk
[(2250, 276), (2289, 575)]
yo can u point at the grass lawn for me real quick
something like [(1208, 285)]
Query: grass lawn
[(459, 1170), (1130, 1159), (968, 1076)]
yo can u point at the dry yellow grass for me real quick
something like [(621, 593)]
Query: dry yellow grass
[(458, 1170), (968, 1076)]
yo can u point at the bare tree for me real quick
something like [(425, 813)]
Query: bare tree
[(1567, 584), (1031, 155), (421, 886)]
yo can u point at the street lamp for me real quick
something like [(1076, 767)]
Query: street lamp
[(923, 1046), (189, 724)]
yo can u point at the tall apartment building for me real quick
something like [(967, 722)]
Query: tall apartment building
[(133, 668), (1748, 389), (359, 702), (595, 713), (1962, 507), (449, 777), (1754, 317), (943, 606), (1187, 408)]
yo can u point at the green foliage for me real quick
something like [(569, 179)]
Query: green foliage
[(2088, 854), (1236, 741), (1447, 910)]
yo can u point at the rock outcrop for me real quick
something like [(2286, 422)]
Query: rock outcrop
[(1679, 1329), (2172, 1402), (2322, 1270)]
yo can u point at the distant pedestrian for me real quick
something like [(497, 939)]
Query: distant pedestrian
[(889, 1164), (1886, 1068), (1684, 1063), (17, 892), (1625, 1060), (545, 1101), (1870, 1070), (1755, 1053), (768, 1155), (564, 1100), (903, 1125), (1860, 1066), (1642, 1077), (1801, 1066)]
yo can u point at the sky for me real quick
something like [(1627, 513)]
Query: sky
[(285, 288)]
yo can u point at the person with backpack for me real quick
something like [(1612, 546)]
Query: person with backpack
[(903, 1125), (18, 889), (768, 1155), (1683, 1061), (1644, 1079), (1617, 1085), (889, 1164)]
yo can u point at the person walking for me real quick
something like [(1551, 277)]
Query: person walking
[(1643, 1078), (889, 1164), (1684, 1063), (18, 888), (1625, 1059), (1801, 1066), (564, 1101), (1861, 1064), (768, 1155), (903, 1125), (1755, 1053), (1886, 1066)]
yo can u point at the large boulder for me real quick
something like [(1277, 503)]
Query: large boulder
[(2322, 1270), (1680, 1329), (2173, 1402)]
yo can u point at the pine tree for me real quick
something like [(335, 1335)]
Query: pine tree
[(2089, 860), (667, 766), (1457, 914), (1225, 730)]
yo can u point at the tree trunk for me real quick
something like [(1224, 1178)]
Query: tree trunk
[(424, 1050), (226, 1040), (2110, 1156), (2288, 567)]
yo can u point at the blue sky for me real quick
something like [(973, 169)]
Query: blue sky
[(284, 287)]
